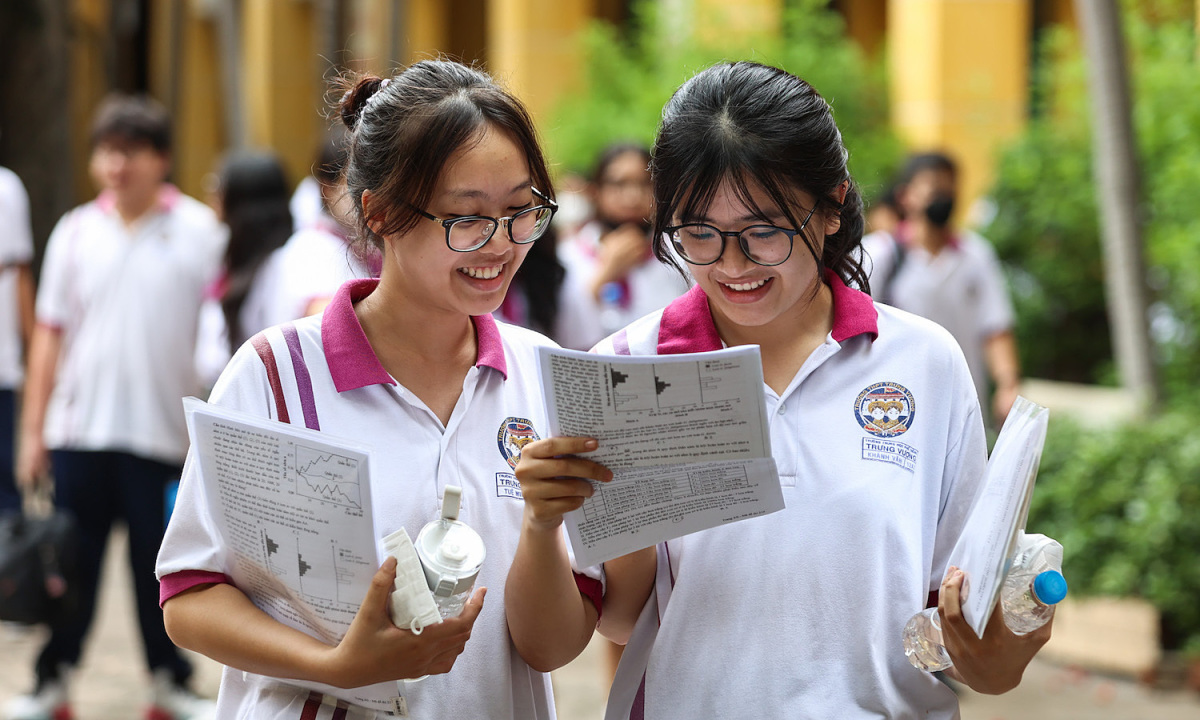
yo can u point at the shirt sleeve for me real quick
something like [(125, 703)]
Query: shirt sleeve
[(53, 297), (17, 237), (996, 312)]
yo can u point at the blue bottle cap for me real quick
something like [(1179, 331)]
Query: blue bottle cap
[(1050, 587)]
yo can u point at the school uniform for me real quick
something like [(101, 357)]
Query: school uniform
[(313, 264), (880, 450), (321, 372), (125, 300), (648, 287), (310, 266), (16, 249), (962, 288)]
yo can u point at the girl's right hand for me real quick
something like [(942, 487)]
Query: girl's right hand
[(375, 650), (554, 481)]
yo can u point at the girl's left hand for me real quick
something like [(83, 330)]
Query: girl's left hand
[(991, 665)]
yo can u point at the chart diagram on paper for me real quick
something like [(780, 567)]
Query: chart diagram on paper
[(327, 476), (685, 436)]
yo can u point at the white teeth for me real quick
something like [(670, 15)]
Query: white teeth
[(743, 287), (482, 273)]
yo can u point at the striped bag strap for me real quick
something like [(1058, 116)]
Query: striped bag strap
[(266, 353)]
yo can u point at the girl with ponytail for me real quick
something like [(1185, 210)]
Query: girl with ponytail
[(449, 185), (797, 613)]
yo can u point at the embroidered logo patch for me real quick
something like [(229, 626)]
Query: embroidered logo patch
[(515, 433), (886, 410)]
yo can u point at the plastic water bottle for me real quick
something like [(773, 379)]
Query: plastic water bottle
[(1033, 586), (451, 554)]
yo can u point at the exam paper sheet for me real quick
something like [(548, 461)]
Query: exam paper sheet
[(989, 535), (686, 437), (294, 508)]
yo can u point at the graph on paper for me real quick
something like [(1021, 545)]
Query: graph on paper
[(323, 475)]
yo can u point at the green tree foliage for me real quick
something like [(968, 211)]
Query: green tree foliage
[(630, 77), (1046, 228), (1123, 503)]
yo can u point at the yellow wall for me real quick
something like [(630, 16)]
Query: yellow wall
[(283, 97), (87, 85), (959, 79), (866, 22), (199, 137), (533, 48)]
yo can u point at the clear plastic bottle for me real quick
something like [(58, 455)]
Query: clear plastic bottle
[(1033, 586), (923, 642), (451, 554)]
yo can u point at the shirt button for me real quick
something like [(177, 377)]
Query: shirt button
[(782, 408)]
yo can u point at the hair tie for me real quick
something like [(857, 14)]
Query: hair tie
[(375, 96)]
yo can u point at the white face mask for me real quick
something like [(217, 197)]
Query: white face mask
[(411, 602)]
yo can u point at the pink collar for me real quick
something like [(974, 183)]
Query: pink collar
[(352, 361), (687, 324), (168, 197)]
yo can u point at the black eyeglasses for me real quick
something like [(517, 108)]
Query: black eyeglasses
[(471, 232), (703, 244)]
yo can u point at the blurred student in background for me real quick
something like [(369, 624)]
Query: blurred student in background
[(609, 262), (930, 268), (322, 255), (252, 201), (110, 358), (16, 320)]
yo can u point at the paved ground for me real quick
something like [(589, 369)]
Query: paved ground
[(111, 685)]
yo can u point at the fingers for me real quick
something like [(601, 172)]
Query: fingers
[(950, 597), (550, 447), (380, 588)]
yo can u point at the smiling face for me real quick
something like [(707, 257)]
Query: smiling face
[(747, 295), (489, 175)]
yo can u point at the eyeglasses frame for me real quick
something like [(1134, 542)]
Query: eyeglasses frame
[(449, 223), (742, 243)]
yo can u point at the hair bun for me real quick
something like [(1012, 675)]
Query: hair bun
[(355, 99)]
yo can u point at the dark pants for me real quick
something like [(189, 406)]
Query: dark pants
[(99, 488), (10, 499)]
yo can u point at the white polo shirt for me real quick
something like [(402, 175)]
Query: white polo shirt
[(313, 264), (16, 248), (798, 614), (962, 288), (127, 299), (647, 287), (330, 379)]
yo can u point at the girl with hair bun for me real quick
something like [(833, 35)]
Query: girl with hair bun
[(798, 613), (450, 186)]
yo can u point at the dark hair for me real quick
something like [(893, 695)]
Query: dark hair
[(133, 120), (406, 127), (754, 124), (540, 277), (254, 195), (331, 158), (922, 162), (613, 151)]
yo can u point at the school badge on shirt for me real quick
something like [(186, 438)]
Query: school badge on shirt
[(886, 410), (515, 433)]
